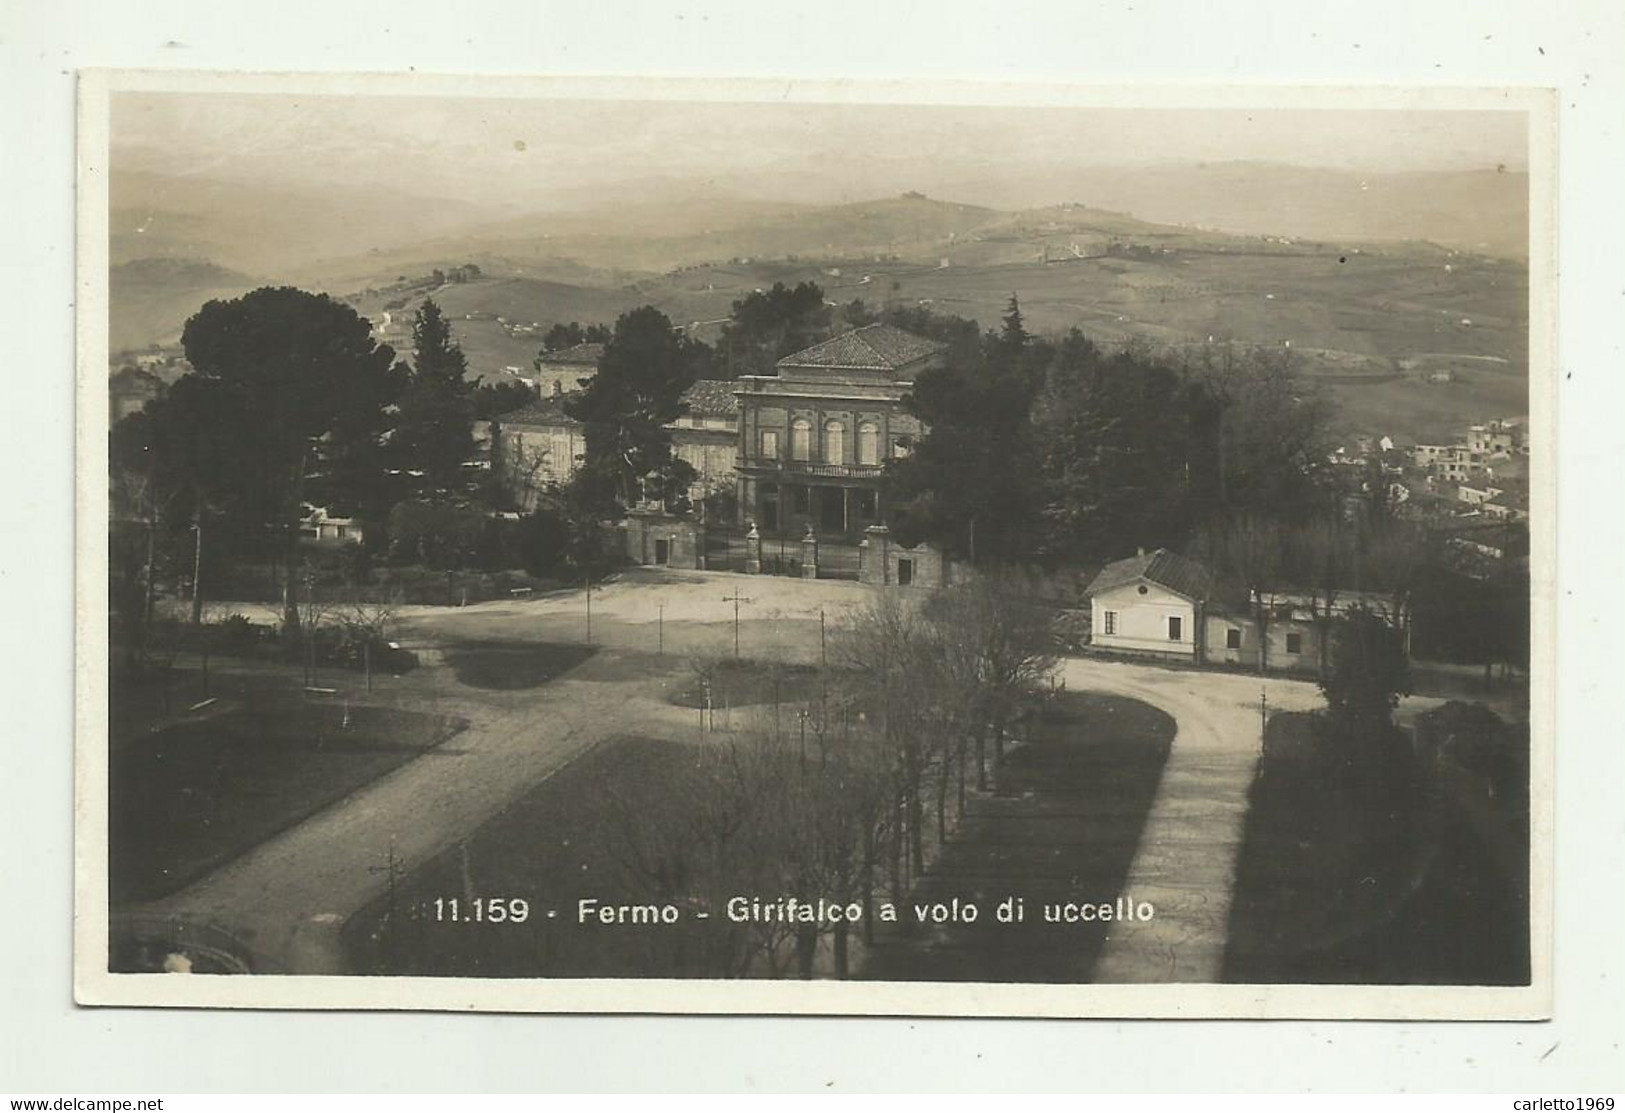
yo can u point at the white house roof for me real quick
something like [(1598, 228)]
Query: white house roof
[(1167, 570)]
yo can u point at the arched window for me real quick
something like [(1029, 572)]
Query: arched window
[(801, 439), (868, 443), (834, 442)]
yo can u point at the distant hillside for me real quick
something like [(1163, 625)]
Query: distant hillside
[(1354, 310), (648, 239), (150, 299), (1476, 210), (275, 231)]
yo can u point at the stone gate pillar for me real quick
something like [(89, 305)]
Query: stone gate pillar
[(809, 555), (753, 550), (874, 556)]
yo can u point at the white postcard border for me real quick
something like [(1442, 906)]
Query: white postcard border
[(94, 985)]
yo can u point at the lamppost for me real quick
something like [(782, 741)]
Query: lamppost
[(736, 599)]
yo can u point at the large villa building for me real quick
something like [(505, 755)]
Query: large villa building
[(814, 438), (803, 448)]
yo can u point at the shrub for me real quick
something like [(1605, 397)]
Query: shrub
[(236, 636), (543, 542), (439, 533)]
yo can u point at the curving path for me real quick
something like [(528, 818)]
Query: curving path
[(1186, 861), (287, 899)]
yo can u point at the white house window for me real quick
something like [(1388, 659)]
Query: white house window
[(1176, 628), (770, 444), (1294, 643), (1110, 619), (834, 442), (868, 443), (801, 439), (1232, 639)]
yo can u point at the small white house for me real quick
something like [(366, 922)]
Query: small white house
[(1149, 603), (317, 525), (1164, 605)]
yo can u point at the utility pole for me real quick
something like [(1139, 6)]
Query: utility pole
[(391, 869), (823, 641), (309, 626), (1263, 712), (588, 582), (197, 567), (736, 599), (660, 627)]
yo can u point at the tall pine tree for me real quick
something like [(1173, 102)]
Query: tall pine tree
[(645, 368), (435, 433)]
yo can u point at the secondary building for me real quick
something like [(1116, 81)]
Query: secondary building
[(565, 369), (541, 446), (537, 447), (1167, 606), (1150, 603), (706, 437)]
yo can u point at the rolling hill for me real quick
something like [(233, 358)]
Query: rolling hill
[(1356, 313), (150, 299)]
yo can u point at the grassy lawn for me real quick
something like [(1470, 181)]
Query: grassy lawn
[(139, 703), (1062, 826), (1333, 886), (189, 796), (749, 683), (510, 666), (556, 844)]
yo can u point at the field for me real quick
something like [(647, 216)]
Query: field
[(1370, 320), (1334, 886), (1082, 784), (1369, 325), (199, 792), (1062, 827)]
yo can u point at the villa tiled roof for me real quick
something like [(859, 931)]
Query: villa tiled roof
[(588, 354), (711, 398), (547, 412), (1178, 574), (876, 347)]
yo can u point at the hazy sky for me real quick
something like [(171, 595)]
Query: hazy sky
[(533, 152)]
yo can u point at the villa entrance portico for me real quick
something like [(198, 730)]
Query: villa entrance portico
[(831, 509)]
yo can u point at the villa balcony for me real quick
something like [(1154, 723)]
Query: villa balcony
[(789, 470)]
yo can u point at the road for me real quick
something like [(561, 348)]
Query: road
[(287, 899), (1186, 862)]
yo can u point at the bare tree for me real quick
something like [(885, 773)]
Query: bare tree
[(370, 623), (1245, 553)]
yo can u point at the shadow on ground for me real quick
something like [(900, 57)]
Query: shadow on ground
[(1062, 827), (512, 666), (1423, 885), (193, 795), (582, 833)]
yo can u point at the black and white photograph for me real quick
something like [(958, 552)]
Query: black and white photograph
[(711, 546)]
